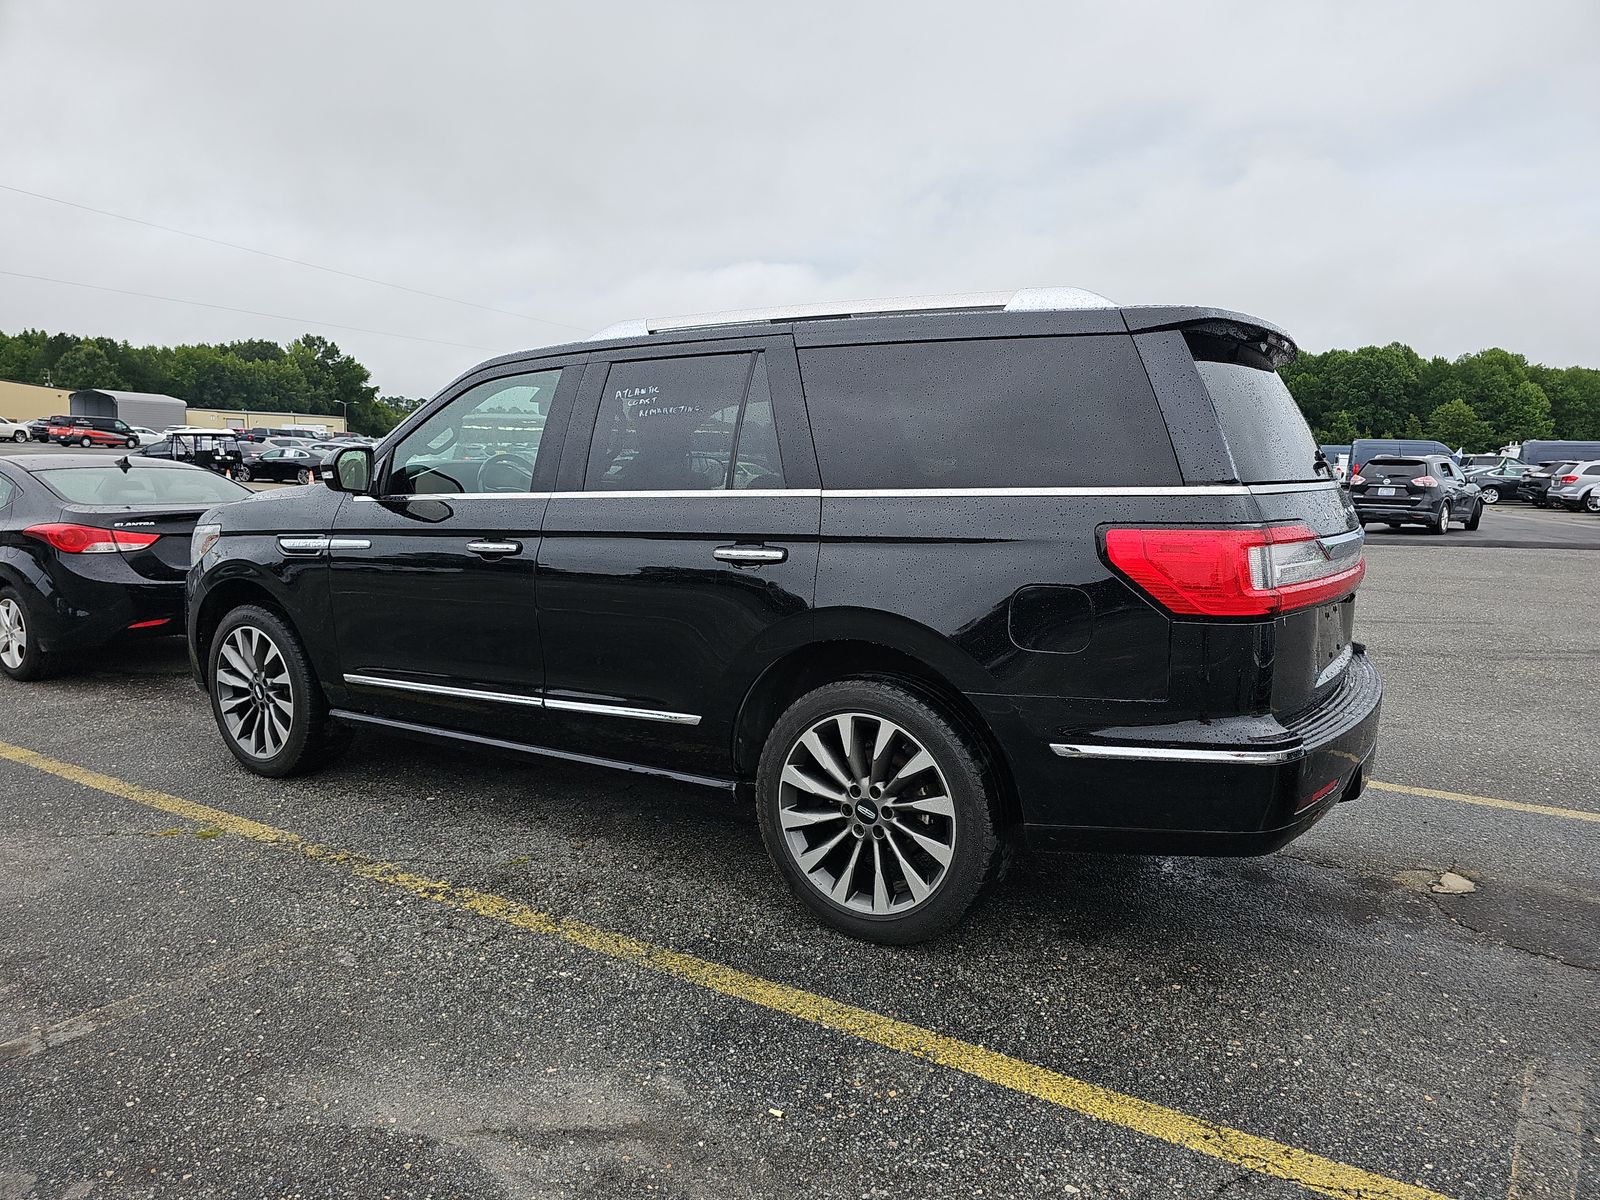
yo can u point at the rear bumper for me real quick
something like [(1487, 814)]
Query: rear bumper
[(1242, 785), (1406, 514), (99, 602)]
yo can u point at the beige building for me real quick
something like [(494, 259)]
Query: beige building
[(25, 401)]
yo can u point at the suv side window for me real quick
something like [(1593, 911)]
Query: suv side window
[(499, 419), (1001, 412), (683, 424)]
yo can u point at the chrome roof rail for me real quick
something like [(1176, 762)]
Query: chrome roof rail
[(1045, 299)]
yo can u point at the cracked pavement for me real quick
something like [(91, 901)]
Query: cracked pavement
[(247, 1023)]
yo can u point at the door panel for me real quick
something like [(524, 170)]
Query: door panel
[(660, 603), (434, 583)]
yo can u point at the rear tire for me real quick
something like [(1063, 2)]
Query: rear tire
[(20, 655), (265, 698), (939, 822), (1591, 502), (1441, 523), (1492, 496)]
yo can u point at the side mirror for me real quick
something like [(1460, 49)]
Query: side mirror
[(349, 470)]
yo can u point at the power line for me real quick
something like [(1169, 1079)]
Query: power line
[(299, 262), (247, 311)]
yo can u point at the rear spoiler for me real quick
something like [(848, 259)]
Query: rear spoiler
[(1268, 339)]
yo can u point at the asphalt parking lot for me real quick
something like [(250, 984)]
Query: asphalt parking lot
[(467, 976)]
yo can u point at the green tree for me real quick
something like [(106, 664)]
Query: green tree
[(1340, 430), (86, 365), (1527, 415), (1456, 424)]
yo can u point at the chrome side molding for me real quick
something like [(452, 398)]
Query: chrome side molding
[(1169, 754), (534, 701)]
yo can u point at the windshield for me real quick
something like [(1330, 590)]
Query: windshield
[(112, 485)]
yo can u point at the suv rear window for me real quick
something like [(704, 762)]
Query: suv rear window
[(1265, 431), (1002, 412)]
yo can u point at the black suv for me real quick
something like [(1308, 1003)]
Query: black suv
[(918, 579), (1416, 489)]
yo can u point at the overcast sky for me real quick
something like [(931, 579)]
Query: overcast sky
[(1357, 173)]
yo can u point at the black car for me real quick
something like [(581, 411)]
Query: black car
[(93, 549), (1534, 486), (281, 464), (1499, 481), (1419, 489), (918, 582)]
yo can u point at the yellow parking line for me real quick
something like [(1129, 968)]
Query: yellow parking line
[(1325, 1176), (1543, 810)]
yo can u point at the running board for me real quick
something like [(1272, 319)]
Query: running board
[(412, 729)]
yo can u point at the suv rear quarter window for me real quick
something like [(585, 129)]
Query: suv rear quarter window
[(986, 413)]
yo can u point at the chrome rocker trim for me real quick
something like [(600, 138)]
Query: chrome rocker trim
[(550, 702)]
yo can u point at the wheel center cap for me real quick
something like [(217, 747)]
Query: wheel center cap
[(867, 812)]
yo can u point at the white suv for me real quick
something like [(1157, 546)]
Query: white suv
[(1578, 486), (11, 431)]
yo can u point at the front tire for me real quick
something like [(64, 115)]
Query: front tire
[(1477, 516), (20, 436), (20, 655), (265, 698), (879, 814), (85, 442), (242, 474)]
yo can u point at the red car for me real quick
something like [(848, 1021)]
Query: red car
[(92, 431)]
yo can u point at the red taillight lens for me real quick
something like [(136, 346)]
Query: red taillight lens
[(1569, 479), (86, 539), (1233, 572), (1425, 481)]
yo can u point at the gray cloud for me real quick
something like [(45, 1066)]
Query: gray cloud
[(1358, 173)]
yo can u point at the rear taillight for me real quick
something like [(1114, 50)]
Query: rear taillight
[(1355, 479), (1233, 572), (1425, 481), (1569, 479), (86, 539)]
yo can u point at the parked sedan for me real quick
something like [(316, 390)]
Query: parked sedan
[(1423, 489), (1500, 482), (1578, 488), (281, 464), (93, 549)]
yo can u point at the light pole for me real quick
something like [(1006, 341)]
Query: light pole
[(345, 405)]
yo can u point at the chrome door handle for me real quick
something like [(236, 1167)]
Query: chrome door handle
[(748, 556), (495, 549), (309, 546)]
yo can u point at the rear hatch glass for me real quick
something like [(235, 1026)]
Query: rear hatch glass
[(1265, 431)]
